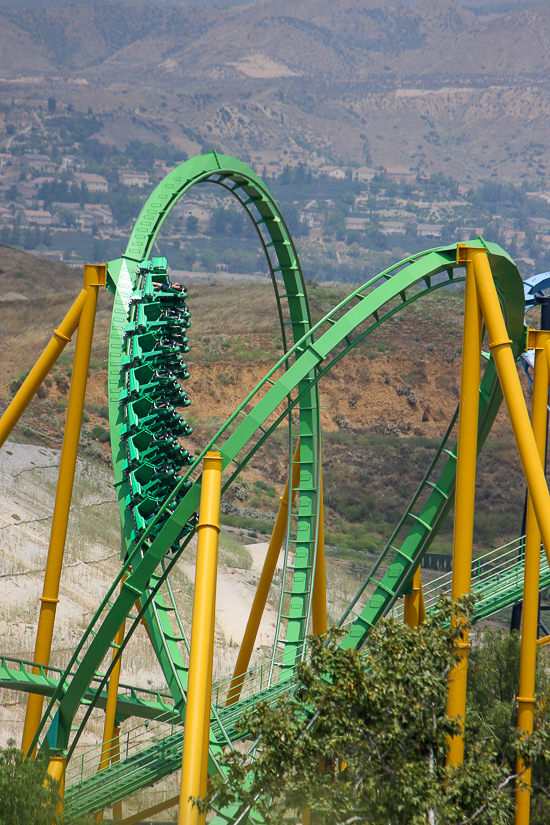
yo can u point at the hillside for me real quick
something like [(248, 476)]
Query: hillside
[(385, 406), (425, 85)]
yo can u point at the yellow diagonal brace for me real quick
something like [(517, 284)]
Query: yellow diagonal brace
[(513, 395), (148, 812), (26, 392), (94, 277)]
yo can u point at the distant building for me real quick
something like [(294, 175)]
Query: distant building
[(68, 161), (270, 170), (129, 178), (41, 162), (6, 160), (364, 174), (466, 233), (93, 183), (357, 224), (85, 219), (36, 217), (392, 228), (101, 212), (44, 179), (400, 174), (429, 230)]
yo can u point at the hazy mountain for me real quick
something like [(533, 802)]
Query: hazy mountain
[(434, 85)]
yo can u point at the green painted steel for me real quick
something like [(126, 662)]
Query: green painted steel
[(17, 674), (126, 277), (373, 307), (152, 550), (497, 580)]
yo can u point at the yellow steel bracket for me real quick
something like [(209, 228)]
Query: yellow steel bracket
[(462, 250), (95, 275)]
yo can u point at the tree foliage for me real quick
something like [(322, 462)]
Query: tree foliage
[(27, 794), (364, 738)]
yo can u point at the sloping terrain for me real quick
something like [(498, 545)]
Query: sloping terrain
[(428, 85)]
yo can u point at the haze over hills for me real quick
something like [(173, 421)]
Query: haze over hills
[(434, 86)]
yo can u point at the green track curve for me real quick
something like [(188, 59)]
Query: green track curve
[(292, 382)]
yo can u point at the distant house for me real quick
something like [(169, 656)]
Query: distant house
[(271, 171), (128, 178), (466, 233), (393, 227), (6, 160), (364, 174), (429, 230), (36, 161), (93, 183), (400, 174), (44, 179), (101, 212), (356, 223), (67, 161), (36, 217), (325, 171), (85, 219)]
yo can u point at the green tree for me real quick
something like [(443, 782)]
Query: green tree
[(493, 679), (363, 738), (27, 795)]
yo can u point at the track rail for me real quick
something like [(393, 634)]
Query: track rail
[(153, 753), (152, 545), (271, 402)]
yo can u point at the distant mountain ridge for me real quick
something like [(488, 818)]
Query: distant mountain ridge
[(422, 85)]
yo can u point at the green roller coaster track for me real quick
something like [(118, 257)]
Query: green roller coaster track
[(158, 526)]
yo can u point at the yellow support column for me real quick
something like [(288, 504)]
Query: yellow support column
[(94, 277), (194, 739), (262, 591), (56, 770), (319, 596), (464, 498), (207, 702), (528, 658), (25, 393), (500, 345), (414, 613)]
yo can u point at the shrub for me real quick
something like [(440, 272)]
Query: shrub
[(101, 434)]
